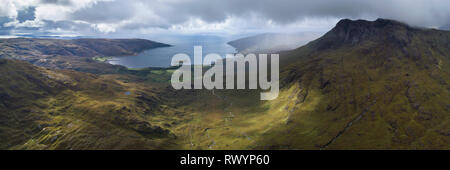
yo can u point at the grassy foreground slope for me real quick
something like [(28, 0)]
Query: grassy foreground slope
[(48, 109), (363, 85)]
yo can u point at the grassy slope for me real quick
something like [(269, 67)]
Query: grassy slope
[(44, 109)]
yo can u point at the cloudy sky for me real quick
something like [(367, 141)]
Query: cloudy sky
[(130, 18)]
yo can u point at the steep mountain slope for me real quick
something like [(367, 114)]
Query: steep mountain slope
[(367, 85), (272, 42)]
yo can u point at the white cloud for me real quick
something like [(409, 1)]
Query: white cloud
[(104, 28), (29, 23), (9, 8), (61, 11)]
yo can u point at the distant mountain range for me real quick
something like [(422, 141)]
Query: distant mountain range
[(272, 42), (73, 54), (75, 47)]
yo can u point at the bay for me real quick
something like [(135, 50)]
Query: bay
[(162, 57)]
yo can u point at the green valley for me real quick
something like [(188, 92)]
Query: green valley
[(363, 85)]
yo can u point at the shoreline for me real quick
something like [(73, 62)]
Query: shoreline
[(109, 59)]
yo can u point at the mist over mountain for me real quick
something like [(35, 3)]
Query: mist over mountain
[(272, 42)]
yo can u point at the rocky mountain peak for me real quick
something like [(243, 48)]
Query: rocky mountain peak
[(354, 32)]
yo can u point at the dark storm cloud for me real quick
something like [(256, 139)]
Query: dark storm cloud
[(419, 12), (282, 11), (416, 12)]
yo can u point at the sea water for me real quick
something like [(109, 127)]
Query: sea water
[(161, 57)]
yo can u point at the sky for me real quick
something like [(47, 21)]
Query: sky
[(132, 18)]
